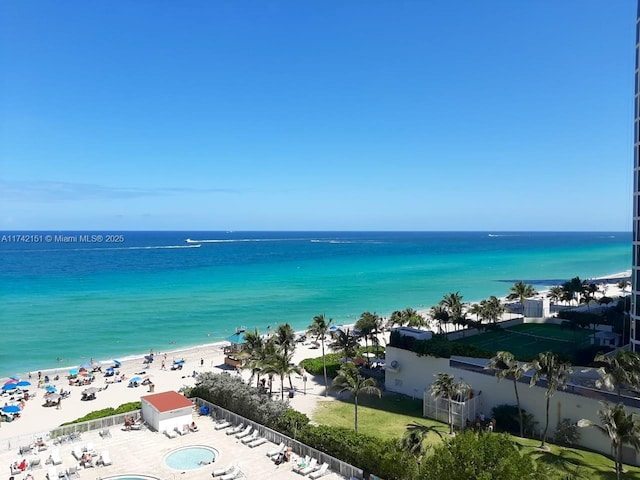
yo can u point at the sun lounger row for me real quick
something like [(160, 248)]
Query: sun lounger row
[(309, 466), (230, 473)]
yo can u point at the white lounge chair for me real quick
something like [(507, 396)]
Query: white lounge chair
[(90, 449), (304, 462), (235, 473), (312, 466), (222, 471), (105, 458), (244, 432), (105, 433), (73, 472), (170, 433), (222, 425), (35, 463), (52, 473), (323, 470), (178, 430), (250, 438), (236, 429), (77, 453), (276, 451), (257, 441), (54, 458)]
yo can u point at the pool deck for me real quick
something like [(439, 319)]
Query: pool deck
[(142, 452)]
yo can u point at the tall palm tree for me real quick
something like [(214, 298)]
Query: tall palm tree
[(319, 329), (445, 387), (555, 294), (349, 380), (345, 342), (573, 289), (476, 309), (285, 337), (620, 427), (492, 309), (253, 347), (615, 371), (280, 364), (440, 314), (412, 441), (506, 366), (366, 324), (452, 303), (521, 291), (548, 367), (408, 317)]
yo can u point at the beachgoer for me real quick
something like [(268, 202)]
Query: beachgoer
[(193, 427)]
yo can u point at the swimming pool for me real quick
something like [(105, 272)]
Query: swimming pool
[(190, 458)]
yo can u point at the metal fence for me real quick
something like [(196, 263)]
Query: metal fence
[(338, 466)]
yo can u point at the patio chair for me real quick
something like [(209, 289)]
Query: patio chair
[(312, 467), (52, 473), (170, 433), (14, 470), (300, 464), (105, 458), (222, 425), (106, 433), (244, 432), (236, 429), (276, 451), (222, 471), (178, 430), (235, 473), (73, 472), (250, 438), (25, 449), (90, 449), (256, 442), (54, 458), (35, 463), (77, 453), (323, 470)]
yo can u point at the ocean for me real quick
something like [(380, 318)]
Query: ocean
[(66, 297)]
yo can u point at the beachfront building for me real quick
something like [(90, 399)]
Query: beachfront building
[(166, 411), (635, 277)]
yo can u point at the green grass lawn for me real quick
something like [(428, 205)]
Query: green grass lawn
[(548, 337), (388, 418)]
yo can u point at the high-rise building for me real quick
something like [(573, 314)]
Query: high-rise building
[(635, 276)]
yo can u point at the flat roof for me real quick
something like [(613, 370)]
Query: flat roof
[(167, 401)]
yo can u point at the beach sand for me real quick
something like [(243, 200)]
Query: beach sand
[(36, 418)]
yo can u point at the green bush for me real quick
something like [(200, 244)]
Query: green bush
[(107, 412), (439, 346), (314, 365), (507, 419)]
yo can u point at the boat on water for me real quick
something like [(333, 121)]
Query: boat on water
[(188, 240)]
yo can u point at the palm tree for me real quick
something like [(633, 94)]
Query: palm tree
[(280, 364), (547, 366), (285, 337), (408, 317), (476, 309), (615, 371), (319, 329), (506, 366), (492, 309), (366, 324), (253, 347), (555, 294), (441, 315), (445, 387), (349, 380), (345, 342), (621, 428), (573, 289), (452, 303), (412, 441), (521, 291)]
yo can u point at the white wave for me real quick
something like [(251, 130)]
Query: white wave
[(237, 240)]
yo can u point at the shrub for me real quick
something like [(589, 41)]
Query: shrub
[(567, 433), (438, 346), (314, 365), (107, 412), (507, 419)]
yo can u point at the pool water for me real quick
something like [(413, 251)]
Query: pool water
[(131, 477), (190, 458)]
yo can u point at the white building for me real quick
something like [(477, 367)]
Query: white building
[(166, 411)]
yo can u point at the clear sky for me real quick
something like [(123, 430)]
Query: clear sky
[(316, 115)]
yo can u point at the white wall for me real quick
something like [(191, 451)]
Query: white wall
[(175, 418), (415, 374)]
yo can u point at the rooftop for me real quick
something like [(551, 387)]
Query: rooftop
[(167, 401)]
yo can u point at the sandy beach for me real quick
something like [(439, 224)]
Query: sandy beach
[(36, 418)]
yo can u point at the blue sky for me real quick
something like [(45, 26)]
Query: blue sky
[(316, 115)]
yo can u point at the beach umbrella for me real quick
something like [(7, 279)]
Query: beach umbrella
[(85, 366), (51, 389), (73, 371), (90, 391), (117, 363), (9, 386), (11, 409), (15, 377), (135, 380)]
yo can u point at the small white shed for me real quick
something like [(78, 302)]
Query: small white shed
[(167, 410)]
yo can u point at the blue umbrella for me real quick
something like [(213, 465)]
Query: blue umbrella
[(86, 366), (117, 363), (237, 337), (51, 389), (23, 383), (73, 371), (9, 386), (135, 380), (11, 409), (15, 377)]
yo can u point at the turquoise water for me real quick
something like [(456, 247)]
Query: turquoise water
[(62, 303), (189, 458), (130, 477)]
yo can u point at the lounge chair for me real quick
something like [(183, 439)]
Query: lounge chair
[(52, 473), (222, 425), (14, 470), (25, 449), (256, 442), (179, 431), (73, 472), (170, 433), (105, 458), (222, 471), (311, 467), (105, 433), (244, 432), (278, 450), (236, 429), (90, 449), (323, 470), (77, 453), (54, 458), (250, 438), (233, 474), (35, 463)]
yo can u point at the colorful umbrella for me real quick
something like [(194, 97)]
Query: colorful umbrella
[(51, 389), (23, 383), (73, 371), (11, 409), (9, 386)]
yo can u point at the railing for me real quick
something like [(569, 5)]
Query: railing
[(336, 465)]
